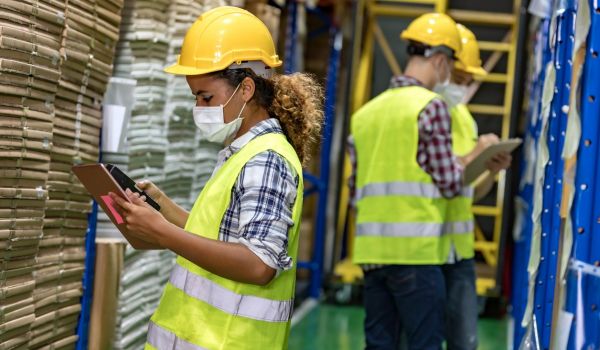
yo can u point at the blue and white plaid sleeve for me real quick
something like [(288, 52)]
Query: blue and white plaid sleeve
[(266, 192)]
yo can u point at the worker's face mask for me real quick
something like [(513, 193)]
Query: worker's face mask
[(453, 94), (211, 122)]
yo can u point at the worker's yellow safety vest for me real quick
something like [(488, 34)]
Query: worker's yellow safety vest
[(401, 213), (460, 208), (200, 310)]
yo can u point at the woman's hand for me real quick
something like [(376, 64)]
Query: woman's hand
[(499, 162), (141, 220), (153, 191)]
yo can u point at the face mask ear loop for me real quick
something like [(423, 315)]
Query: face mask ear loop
[(230, 97), (242, 110)]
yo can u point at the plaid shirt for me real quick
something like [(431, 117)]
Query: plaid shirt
[(434, 153), (259, 215)]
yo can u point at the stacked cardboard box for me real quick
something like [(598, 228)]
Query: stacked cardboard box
[(29, 73), (88, 38)]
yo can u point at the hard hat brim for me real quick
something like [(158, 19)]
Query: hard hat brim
[(178, 69), (478, 71)]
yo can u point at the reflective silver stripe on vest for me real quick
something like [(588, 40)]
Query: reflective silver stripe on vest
[(458, 227), (413, 229), (399, 229), (163, 339), (249, 306), (415, 189)]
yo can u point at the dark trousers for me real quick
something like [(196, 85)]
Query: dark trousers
[(409, 299), (461, 305)]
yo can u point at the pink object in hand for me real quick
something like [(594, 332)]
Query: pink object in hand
[(110, 205)]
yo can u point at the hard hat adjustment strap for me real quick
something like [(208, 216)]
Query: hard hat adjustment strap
[(258, 67)]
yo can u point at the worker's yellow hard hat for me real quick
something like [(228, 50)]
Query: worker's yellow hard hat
[(434, 29), (468, 58), (223, 37)]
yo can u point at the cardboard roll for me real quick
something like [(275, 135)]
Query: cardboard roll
[(48, 75), (21, 183), (22, 117), (37, 9), (15, 328), (85, 69), (72, 227), (22, 50), (16, 26), (14, 274), (62, 306), (66, 214), (89, 23)]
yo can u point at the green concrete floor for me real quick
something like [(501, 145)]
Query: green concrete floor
[(340, 327)]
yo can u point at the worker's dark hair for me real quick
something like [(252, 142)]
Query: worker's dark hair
[(295, 100)]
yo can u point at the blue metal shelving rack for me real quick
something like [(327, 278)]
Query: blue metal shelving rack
[(586, 206), (586, 217)]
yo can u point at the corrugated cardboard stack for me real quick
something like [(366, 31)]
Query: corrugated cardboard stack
[(29, 74), (88, 41)]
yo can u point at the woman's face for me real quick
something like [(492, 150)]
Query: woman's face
[(210, 92)]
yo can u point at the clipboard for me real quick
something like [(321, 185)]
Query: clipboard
[(477, 166), (97, 180)]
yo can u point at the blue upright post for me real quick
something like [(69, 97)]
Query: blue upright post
[(88, 279), (586, 206), (292, 34), (330, 101)]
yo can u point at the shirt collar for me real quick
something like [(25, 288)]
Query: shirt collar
[(404, 81), (267, 126)]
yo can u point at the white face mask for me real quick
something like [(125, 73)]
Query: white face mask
[(211, 122), (453, 94)]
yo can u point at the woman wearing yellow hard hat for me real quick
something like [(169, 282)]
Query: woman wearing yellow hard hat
[(461, 304), (233, 284)]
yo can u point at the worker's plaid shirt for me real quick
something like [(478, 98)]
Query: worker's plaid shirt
[(434, 153), (259, 215)]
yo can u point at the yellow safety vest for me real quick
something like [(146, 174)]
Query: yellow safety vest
[(460, 208), (200, 310), (400, 211)]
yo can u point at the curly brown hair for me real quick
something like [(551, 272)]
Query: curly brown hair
[(296, 100)]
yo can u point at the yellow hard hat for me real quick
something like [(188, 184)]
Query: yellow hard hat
[(223, 37), (468, 58), (433, 29)]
